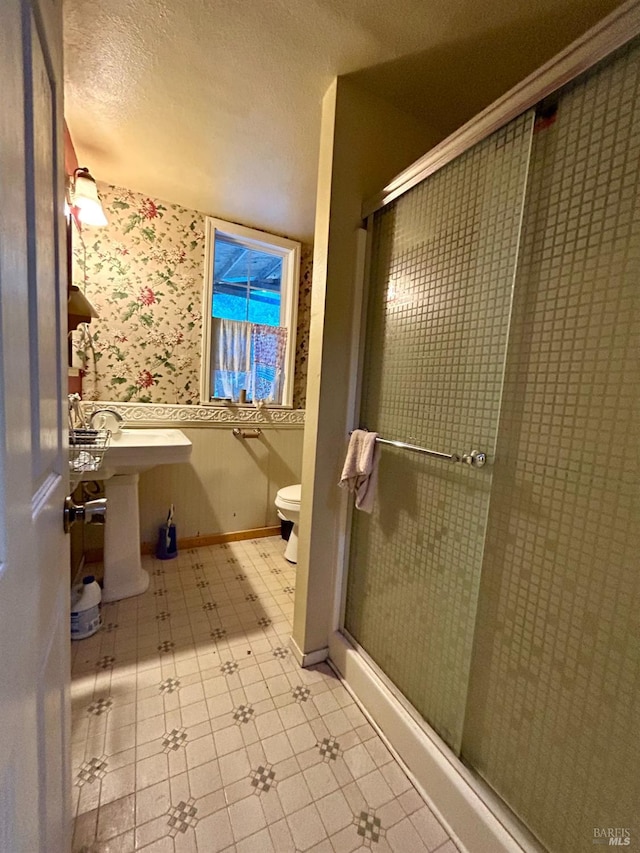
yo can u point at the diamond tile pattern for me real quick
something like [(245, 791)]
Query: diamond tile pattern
[(222, 740), (329, 748), (368, 826), (174, 739), (94, 768), (301, 694), (182, 816), (243, 713), (100, 706), (263, 779)]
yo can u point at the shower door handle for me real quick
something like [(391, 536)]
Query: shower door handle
[(476, 458)]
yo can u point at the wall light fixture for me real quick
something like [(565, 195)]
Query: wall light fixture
[(85, 198)]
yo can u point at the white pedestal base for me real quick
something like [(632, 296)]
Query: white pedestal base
[(123, 572), (291, 551)]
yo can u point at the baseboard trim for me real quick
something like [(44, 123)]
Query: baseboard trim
[(309, 658), (472, 814), (216, 539), (95, 555)]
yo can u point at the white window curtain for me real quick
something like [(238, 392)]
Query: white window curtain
[(250, 357), (230, 358)]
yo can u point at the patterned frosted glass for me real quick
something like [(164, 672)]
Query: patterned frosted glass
[(553, 722), (442, 277)]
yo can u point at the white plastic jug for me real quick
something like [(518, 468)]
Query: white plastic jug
[(85, 609)]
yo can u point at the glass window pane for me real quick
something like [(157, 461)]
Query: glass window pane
[(264, 307), (247, 287), (247, 283), (231, 261), (264, 296), (230, 302), (265, 276)]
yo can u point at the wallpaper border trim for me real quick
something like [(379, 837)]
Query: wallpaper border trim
[(138, 414)]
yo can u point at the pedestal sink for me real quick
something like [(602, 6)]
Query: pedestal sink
[(131, 452)]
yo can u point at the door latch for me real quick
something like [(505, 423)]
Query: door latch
[(91, 512)]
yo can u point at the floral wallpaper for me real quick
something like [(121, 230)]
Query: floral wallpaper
[(143, 272)]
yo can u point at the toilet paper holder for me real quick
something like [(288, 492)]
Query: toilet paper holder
[(247, 433)]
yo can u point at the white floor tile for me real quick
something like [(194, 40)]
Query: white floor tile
[(246, 817), (267, 757), (306, 827)]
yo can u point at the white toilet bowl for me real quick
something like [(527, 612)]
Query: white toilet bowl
[(288, 506)]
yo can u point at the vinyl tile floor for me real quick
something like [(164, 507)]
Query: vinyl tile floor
[(194, 730)]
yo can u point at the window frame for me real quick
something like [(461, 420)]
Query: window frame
[(289, 251)]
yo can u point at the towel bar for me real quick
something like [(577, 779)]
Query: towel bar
[(475, 458)]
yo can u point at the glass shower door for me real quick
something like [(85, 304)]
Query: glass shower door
[(553, 723), (442, 273)]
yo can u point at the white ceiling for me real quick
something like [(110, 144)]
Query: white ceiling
[(215, 104)]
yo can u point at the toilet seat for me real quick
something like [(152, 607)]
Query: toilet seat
[(288, 506), (289, 498)]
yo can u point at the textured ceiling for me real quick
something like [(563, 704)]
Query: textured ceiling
[(215, 104)]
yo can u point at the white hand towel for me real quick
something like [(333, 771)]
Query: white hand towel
[(360, 472)]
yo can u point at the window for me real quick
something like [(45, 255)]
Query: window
[(250, 302)]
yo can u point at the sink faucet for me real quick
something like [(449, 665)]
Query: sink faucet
[(76, 415), (106, 419)]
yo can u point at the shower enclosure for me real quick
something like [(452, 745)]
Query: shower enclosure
[(502, 602)]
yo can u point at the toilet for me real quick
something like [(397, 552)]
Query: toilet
[(288, 506)]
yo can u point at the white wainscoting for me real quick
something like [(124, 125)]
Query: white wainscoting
[(228, 485)]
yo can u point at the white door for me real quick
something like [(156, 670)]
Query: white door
[(34, 560)]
